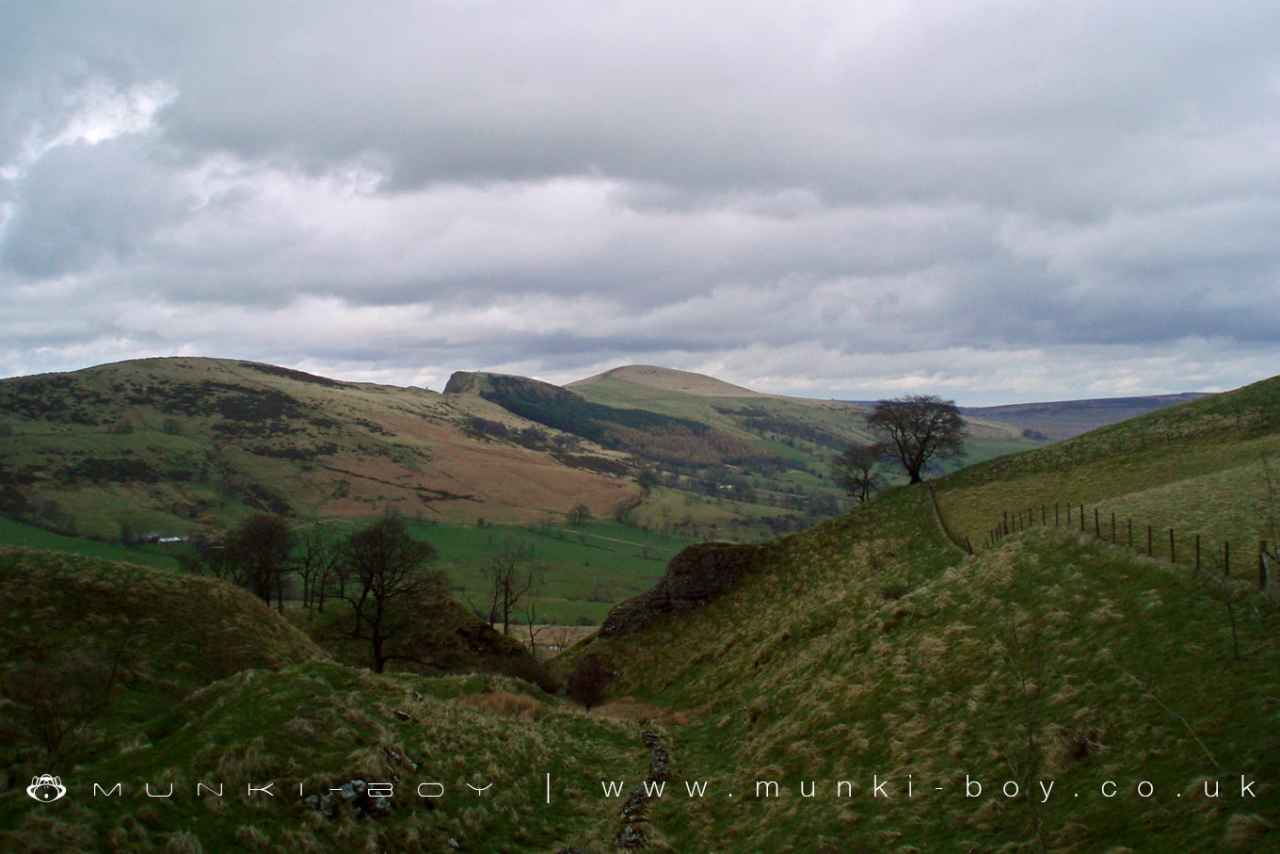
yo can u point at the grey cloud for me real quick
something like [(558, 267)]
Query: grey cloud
[(972, 194)]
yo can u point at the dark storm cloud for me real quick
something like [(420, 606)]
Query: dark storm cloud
[(814, 198)]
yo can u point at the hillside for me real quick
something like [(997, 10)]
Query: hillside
[(871, 645), (668, 379), (70, 619), (172, 445), (114, 672), (1198, 468), (867, 650), (1063, 419)]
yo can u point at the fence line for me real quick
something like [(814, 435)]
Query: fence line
[(1014, 521)]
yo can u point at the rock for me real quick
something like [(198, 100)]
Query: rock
[(696, 576)]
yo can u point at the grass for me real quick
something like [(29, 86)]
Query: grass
[(323, 724), (825, 668), (17, 534)]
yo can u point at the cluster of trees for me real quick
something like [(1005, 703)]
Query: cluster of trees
[(912, 431), (381, 571)]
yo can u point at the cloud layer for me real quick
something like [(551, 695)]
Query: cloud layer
[(996, 201)]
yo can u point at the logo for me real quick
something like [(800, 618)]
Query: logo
[(46, 788)]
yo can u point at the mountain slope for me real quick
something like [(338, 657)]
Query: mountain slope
[(870, 648), (173, 444), (1064, 419), (668, 379)]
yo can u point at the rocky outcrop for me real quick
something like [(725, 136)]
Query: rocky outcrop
[(695, 577)]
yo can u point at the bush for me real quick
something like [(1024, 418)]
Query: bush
[(588, 681)]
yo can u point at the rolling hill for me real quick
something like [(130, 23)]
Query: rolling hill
[(1063, 419), (841, 688), (871, 648), (173, 445)]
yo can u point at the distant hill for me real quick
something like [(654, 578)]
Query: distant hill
[(173, 445), (1062, 419), (669, 379)]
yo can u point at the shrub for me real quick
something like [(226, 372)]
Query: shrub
[(588, 681)]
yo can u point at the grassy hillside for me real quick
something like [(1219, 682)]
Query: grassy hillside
[(171, 445), (1197, 467), (70, 620), (1063, 419), (870, 646), (324, 725), (177, 679), (792, 488)]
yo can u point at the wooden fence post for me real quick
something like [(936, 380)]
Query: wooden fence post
[(1082, 518), (1226, 558), (1197, 552), (1097, 526), (1044, 515), (1006, 522), (1262, 565), (1055, 514), (1130, 532), (1149, 552), (1068, 514), (1113, 527), (1173, 549)]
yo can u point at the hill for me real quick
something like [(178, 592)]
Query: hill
[(173, 445), (669, 379), (1063, 419), (115, 672), (71, 621), (872, 649)]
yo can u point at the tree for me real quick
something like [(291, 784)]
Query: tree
[(855, 470), (389, 580), (919, 428), (512, 577), (579, 515), (260, 549), (588, 681), (316, 561)]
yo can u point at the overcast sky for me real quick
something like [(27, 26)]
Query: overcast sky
[(995, 202)]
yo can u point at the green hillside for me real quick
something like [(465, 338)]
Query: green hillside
[(871, 645), (868, 649), (184, 444), (1199, 468)]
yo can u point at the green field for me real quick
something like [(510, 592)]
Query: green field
[(18, 534), (584, 570)]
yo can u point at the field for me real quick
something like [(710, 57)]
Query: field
[(584, 570)]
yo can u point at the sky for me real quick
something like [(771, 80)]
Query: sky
[(991, 201)]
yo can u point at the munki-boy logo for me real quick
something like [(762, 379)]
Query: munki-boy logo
[(46, 788)]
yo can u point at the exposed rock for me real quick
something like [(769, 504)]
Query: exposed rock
[(352, 795), (695, 577)]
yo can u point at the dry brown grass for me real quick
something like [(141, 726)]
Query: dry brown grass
[(506, 704)]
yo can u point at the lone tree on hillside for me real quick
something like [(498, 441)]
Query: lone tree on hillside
[(389, 584), (855, 470), (918, 428)]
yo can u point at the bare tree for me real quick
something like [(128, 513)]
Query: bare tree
[(919, 428), (260, 547), (855, 470), (512, 577), (389, 582), (318, 556)]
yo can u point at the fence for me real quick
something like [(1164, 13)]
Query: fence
[(1108, 530)]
